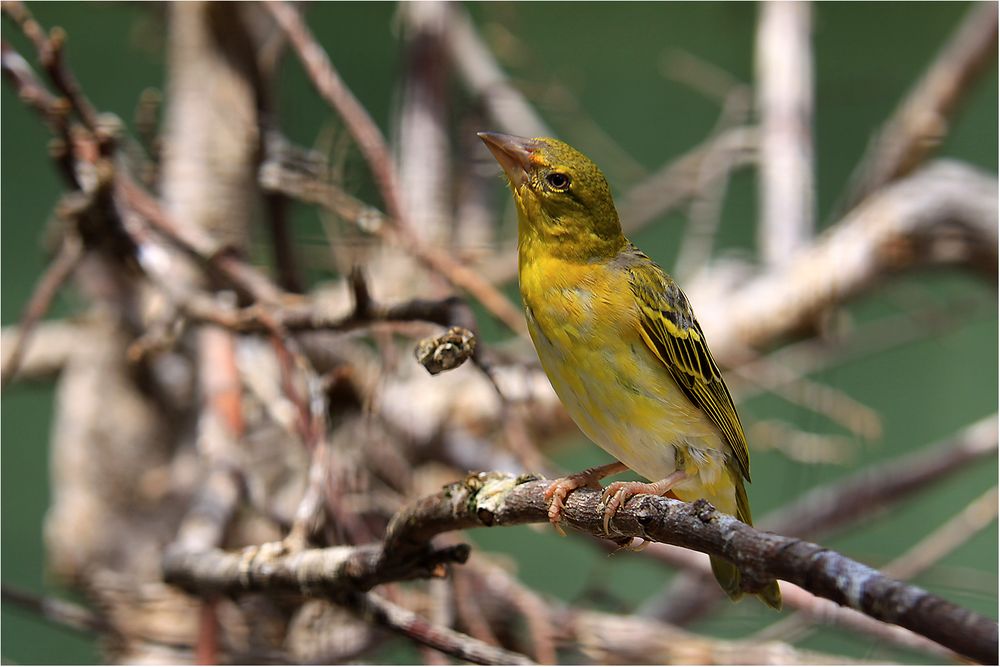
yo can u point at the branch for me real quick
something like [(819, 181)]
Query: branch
[(340, 573), (495, 499), (958, 530), (54, 111), (443, 639), (423, 148), (54, 610), (841, 503), (310, 572), (372, 145), (336, 93), (681, 179), (53, 342), (945, 214), (481, 74), (57, 273), (785, 101), (304, 179), (829, 507), (921, 121)]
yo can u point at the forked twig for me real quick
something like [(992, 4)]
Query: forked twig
[(58, 272)]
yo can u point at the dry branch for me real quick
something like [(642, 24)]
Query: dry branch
[(785, 104), (825, 509), (944, 214), (493, 499), (443, 639), (309, 572), (51, 344), (921, 122), (484, 77), (928, 551), (54, 610), (400, 231), (423, 150), (57, 273), (339, 96), (845, 501)]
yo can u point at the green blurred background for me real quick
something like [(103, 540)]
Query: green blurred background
[(609, 57)]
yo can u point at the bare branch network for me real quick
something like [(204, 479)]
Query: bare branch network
[(497, 499), (235, 458)]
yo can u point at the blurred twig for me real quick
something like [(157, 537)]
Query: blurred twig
[(452, 643), (50, 53), (921, 121), (58, 272), (480, 72), (60, 612), (679, 180), (943, 214), (840, 503), (705, 210), (373, 146), (332, 88), (785, 104)]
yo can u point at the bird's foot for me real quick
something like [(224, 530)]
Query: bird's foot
[(556, 494), (617, 494), (627, 544)]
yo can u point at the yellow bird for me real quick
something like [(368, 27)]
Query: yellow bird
[(621, 345)]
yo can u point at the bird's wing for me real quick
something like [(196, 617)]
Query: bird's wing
[(675, 337)]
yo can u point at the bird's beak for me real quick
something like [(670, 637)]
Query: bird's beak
[(513, 154)]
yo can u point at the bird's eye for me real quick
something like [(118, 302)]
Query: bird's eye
[(557, 181)]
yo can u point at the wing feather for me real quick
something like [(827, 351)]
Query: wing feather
[(671, 331)]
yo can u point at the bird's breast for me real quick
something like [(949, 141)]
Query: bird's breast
[(584, 323)]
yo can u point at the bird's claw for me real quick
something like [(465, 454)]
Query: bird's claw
[(555, 496), (614, 496)]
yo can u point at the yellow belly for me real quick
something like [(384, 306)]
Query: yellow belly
[(616, 390)]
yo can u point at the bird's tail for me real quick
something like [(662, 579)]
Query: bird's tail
[(727, 574)]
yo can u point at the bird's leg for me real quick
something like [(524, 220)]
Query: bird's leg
[(560, 488), (618, 493)]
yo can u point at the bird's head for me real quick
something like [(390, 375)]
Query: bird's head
[(563, 199)]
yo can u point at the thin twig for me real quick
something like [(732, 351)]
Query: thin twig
[(446, 640), (60, 612), (921, 121), (333, 89), (705, 210), (58, 272), (373, 146), (50, 52), (845, 501), (481, 74), (821, 398), (54, 111), (679, 180)]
